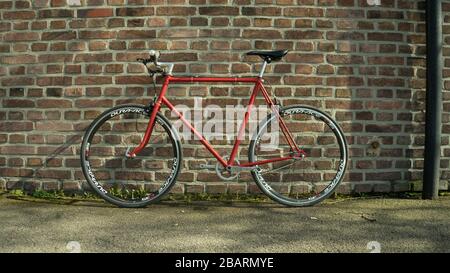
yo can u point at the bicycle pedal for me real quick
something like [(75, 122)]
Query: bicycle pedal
[(206, 166)]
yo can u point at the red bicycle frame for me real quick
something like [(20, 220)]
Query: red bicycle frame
[(258, 87)]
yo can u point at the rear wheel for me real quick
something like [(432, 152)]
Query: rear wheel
[(301, 181), (123, 181)]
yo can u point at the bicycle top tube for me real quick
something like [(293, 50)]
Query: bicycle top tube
[(154, 66), (190, 79)]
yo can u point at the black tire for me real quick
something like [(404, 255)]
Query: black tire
[(122, 181), (298, 188)]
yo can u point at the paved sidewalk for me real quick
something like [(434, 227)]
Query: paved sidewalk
[(398, 225)]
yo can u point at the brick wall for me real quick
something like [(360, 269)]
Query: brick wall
[(64, 62)]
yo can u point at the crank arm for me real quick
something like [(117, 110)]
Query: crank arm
[(208, 167), (241, 168)]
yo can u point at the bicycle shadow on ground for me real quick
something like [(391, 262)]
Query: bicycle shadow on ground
[(396, 226)]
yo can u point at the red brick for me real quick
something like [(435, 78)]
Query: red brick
[(54, 103), (114, 68), (18, 59), (136, 34), (22, 4), (305, 58), (14, 138), (52, 126), (11, 103), (17, 81), (303, 12), (236, 188), (93, 91), (33, 162), (378, 128), (55, 13), (194, 188), (241, 22), (386, 60), (97, 34), (261, 11), (58, 3), (147, 11), (93, 69), (179, 57), (97, 45), (116, 2), (216, 188), (344, 81), (51, 69), (383, 36), (5, 26), (72, 69), (133, 80), (98, 57), (178, 33), (17, 150), (300, 80), (344, 59), (304, 34), (50, 186), (93, 80), (218, 10), (94, 13), (53, 81), (16, 92), (59, 35), (55, 58), (344, 104), (90, 103), (55, 174), (386, 82), (21, 36), (116, 22), (71, 186), (264, 34), (173, 11), (19, 15)]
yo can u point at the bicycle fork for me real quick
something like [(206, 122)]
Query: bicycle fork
[(151, 122), (148, 133)]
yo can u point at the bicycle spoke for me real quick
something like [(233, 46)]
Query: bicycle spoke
[(306, 180), (280, 168), (130, 181)]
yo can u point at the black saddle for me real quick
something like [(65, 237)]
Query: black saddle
[(269, 56)]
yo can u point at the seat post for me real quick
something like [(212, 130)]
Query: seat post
[(263, 68)]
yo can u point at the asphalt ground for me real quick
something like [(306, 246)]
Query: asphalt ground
[(342, 225)]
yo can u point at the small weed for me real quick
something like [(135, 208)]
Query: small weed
[(17, 193), (224, 197), (54, 195), (87, 195), (188, 198), (48, 194)]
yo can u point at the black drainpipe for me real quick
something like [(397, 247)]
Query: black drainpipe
[(431, 174)]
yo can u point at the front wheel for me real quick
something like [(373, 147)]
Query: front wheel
[(123, 181), (301, 180)]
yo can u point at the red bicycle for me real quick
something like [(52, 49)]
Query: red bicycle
[(131, 154)]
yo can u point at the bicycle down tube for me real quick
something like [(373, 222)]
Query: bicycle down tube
[(258, 87)]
